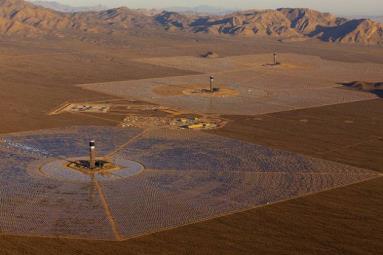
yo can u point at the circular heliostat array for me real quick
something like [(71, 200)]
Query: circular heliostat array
[(154, 179), (61, 169)]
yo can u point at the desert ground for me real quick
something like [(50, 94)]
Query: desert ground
[(297, 113), (251, 84)]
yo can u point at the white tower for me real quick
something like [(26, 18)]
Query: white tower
[(92, 154)]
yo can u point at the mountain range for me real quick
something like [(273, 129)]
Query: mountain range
[(375, 18), (197, 10), (20, 18), (201, 10), (67, 8)]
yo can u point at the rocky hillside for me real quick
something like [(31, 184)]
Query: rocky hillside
[(21, 18), (281, 23), (25, 19), (18, 17), (372, 87)]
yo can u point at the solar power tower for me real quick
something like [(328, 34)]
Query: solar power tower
[(92, 154), (211, 83), (275, 58)]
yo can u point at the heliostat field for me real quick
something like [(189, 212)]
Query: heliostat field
[(165, 178), (251, 84)]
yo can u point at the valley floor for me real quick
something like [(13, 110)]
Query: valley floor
[(39, 76)]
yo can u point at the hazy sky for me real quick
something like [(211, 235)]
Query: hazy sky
[(347, 7)]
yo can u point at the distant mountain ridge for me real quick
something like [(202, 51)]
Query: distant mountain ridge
[(374, 18), (201, 10), (378, 18), (21, 18), (67, 8)]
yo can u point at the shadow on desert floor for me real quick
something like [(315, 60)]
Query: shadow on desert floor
[(371, 87)]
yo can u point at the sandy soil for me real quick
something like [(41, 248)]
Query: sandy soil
[(39, 77)]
